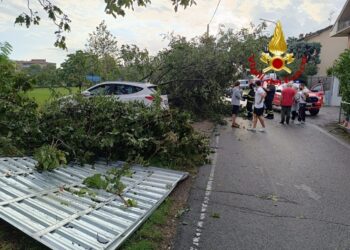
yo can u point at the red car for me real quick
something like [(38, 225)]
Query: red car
[(313, 103)]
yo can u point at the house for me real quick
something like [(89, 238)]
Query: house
[(41, 62), (341, 27), (331, 47)]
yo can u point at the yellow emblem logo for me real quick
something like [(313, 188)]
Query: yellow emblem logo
[(278, 49)]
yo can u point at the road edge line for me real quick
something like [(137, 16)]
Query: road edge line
[(205, 203)]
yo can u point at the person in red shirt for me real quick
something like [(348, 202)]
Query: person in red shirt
[(287, 99)]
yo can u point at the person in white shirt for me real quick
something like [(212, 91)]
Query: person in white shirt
[(259, 108), (303, 94)]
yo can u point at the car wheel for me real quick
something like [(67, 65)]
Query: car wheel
[(314, 112)]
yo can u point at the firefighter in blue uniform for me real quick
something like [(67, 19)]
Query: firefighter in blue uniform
[(270, 93)]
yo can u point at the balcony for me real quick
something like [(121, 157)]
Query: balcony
[(343, 25)]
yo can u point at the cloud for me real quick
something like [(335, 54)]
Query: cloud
[(317, 11), (145, 26), (276, 4)]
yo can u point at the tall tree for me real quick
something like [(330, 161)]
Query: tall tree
[(78, 66), (135, 64), (62, 20), (104, 45), (102, 42)]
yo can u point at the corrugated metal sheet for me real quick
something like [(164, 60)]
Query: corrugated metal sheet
[(45, 206)]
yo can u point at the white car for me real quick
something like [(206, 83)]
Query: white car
[(244, 84), (127, 91)]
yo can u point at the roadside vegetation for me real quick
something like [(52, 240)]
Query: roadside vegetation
[(341, 69), (194, 73)]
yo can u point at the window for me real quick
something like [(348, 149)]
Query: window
[(317, 88), (105, 89), (121, 89)]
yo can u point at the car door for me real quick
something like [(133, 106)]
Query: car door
[(276, 99)]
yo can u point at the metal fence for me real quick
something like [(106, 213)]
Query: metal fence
[(344, 115)]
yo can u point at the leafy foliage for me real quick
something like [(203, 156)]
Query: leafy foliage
[(195, 73), (62, 20), (77, 66), (5, 49), (104, 127), (44, 77), (118, 7), (49, 158), (110, 182), (96, 181), (88, 128), (300, 49), (57, 16), (18, 114), (310, 50), (101, 42), (341, 69)]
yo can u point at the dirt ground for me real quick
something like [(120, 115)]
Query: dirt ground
[(179, 202), (205, 127), (180, 196)]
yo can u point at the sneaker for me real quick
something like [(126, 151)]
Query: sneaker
[(302, 122), (262, 130), (282, 123), (297, 123), (251, 129)]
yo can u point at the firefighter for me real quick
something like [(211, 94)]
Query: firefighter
[(270, 93), (250, 101)]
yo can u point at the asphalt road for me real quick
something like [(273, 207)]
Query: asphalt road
[(288, 188)]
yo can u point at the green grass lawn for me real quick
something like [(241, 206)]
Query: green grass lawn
[(41, 95)]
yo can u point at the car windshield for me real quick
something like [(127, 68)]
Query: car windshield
[(316, 88)]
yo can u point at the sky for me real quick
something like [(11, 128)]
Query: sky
[(146, 27)]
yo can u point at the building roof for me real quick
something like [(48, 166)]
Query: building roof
[(316, 33)]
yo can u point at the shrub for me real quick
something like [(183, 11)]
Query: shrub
[(89, 128), (341, 69), (49, 158)]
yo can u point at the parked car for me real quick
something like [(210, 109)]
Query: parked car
[(244, 84), (313, 103), (127, 91)]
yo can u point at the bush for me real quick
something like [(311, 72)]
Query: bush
[(49, 158), (89, 128), (341, 69), (18, 114)]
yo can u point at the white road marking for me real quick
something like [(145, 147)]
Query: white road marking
[(200, 223)]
